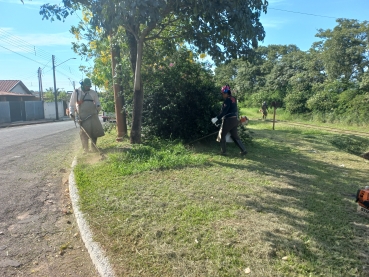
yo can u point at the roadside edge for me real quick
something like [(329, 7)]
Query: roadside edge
[(96, 253)]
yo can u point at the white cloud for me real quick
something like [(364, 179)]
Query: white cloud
[(273, 23)]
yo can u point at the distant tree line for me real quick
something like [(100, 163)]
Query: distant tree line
[(329, 81)]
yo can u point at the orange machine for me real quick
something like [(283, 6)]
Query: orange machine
[(362, 197), (244, 120)]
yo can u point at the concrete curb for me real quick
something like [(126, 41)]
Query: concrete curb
[(96, 253), (32, 122)]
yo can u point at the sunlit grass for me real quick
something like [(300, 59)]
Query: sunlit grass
[(282, 115), (287, 209)]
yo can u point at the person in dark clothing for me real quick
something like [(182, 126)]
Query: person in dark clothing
[(229, 116), (264, 109)]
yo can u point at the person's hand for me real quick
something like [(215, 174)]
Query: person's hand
[(214, 120)]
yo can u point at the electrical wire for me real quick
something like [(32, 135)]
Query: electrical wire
[(21, 55), (22, 45), (311, 14)]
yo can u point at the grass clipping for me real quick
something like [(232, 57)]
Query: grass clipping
[(286, 210)]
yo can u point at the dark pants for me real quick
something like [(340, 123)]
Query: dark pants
[(230, 125)]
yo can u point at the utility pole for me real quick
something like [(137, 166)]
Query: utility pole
[(55, 96), (40, 83)]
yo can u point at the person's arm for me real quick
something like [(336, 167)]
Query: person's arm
[(97, 101), (225, 108)]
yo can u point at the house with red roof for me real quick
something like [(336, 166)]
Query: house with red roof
[(15, 90), (17, 103)]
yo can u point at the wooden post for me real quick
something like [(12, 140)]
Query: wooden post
[(274, 117)]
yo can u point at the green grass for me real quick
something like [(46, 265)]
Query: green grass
[(287, 209), (282, 115)]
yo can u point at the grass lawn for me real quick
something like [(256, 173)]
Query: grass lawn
[(286, 209)]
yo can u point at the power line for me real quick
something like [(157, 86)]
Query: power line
[(26, 50), (23, 45), (21, 55), (311, 14)]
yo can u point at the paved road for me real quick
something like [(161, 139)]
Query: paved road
[(38, 233)]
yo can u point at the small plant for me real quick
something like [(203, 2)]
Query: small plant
[(244, 134), (108, 127)]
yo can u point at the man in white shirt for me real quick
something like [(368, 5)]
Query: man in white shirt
[(86, 104)]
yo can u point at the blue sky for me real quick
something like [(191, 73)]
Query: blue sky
[(27, 42)]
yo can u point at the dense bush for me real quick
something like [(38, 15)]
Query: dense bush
[(295, 102), (323, 101), (180, 99), (357, 109)]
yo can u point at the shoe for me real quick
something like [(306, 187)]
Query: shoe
[(241, 146)]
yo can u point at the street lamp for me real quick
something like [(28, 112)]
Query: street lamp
[(55, 96)]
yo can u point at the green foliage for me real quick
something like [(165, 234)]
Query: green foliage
[(181, 99), (323, 101), (225, 73), (245, 135), (256, 99), (109, 127), (357, 108), (107, 101), (154, 155), (295, 102), (49, 95), (329, 82), (364, 84), (344, 49)]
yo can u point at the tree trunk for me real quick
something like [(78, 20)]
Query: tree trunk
[(137, 98), (120, 113), (132, 44)]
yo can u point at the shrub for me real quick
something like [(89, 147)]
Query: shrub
[(181, 99), (296, 102), (323, 101)]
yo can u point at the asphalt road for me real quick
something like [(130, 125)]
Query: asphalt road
[(38, 232)]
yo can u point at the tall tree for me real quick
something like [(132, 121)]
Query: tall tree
[(345, 49), (223, 28)]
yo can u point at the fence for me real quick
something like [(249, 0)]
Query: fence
[(12, 111)]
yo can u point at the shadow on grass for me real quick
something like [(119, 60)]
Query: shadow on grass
[(331, 234)]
